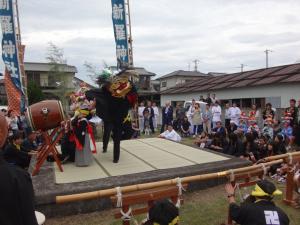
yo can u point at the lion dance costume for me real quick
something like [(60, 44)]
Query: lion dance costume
[(114, 98)]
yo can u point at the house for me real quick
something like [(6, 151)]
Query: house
[(148, 89), (77, 81), (178, 77), (52, 79), (276, 85)]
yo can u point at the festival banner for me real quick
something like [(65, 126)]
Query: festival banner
[(10, 56), (120, 31)]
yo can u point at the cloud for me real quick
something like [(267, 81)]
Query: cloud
[(167, 34)]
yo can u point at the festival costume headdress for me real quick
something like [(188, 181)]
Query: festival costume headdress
[(265, 188)]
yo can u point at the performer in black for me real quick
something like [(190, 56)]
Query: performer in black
[(113, 99), (258, 208)]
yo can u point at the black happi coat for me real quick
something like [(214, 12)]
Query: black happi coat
[(16, 196)]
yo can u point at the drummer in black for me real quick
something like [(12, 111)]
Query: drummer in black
[(258, 209)]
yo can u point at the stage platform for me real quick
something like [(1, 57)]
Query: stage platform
[(142, 160)]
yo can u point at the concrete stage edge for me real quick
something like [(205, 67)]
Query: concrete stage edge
[(46, 189)]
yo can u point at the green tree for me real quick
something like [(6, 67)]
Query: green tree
[(35, 93)]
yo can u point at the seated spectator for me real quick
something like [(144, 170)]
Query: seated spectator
[(163, 212), (202, 140), (253, 128), (279, 145), (219, 143), (287, 131), (232, 127), (136, 129), (243, 127), (185, 127), (29, 144), (14, 155), (170, 134), (262, 148), (251, 148), (268, 128), (235, 146), (276, 127), (259, 207), (219, 129)]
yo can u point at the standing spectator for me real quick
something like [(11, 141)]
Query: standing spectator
[(208, 99), (216, 113), (254, 114), (201, 99), (24, 123), (268, 112), (227, 117), (259, 209), (207, 119), (292, 111), (167, 116), (189, 114), (197, 120), (13, 125), (151, 115), (214, 99), (185, 127), (180, 114), (156, 115), (234, 113), (141, 116)]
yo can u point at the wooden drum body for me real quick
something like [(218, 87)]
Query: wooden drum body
[(3, 130), (45, 115)]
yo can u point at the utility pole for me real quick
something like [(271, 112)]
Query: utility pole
[(242, 67), (128, 19), (267, 57), (196, 61)]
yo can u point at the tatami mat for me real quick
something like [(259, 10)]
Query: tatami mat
[(137, 156)]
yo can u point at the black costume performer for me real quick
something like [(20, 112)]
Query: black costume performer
[(113, 100)]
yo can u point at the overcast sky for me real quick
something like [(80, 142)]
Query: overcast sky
[(167, 34)]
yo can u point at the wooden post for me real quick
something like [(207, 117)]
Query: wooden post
[(289, 187)]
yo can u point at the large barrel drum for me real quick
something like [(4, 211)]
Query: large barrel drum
[(45, 115), (3, 130)]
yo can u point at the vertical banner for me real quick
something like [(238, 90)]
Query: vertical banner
[(120, 31), (10, 56)]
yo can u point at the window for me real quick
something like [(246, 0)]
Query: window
[(44, 80), (246, 103), (164, 84)]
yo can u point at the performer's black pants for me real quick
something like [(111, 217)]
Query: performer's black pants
[(116, 129)]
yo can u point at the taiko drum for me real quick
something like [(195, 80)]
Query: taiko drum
[(45, 115)]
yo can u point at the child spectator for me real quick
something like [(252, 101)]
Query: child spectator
[(135, 129), (202, 140), (185, 127), (287, 131)]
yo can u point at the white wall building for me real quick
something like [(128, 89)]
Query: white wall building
[(276, 85)]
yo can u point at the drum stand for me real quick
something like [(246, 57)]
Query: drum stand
[(48, 148)]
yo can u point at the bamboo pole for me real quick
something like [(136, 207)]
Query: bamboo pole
[(145, 186), (282, 156)]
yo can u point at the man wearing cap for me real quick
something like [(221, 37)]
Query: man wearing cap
[(260, 211)]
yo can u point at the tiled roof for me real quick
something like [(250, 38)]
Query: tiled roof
[(183, 73), (46, 67), (273, 75)]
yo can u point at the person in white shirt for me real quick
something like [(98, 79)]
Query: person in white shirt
[(141, 109), (216, 113), (170, 134), (156, 115), (214, 99), (190, 114), (234, 113)]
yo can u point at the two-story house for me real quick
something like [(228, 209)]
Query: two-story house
[(178, 77)]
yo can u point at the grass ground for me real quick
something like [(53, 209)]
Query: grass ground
[(204, 207)]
